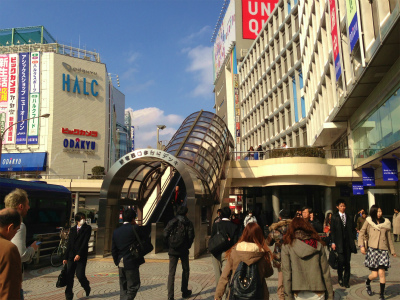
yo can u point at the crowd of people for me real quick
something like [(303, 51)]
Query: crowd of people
[(242, 255)]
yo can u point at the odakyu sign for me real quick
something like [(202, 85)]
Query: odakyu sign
[(79, 144)]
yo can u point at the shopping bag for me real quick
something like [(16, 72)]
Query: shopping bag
[(62, 278)]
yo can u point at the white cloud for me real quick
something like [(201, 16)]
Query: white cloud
[(201, 67), (206, 30), (146, 120)]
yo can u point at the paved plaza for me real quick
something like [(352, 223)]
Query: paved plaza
[(103, 277)]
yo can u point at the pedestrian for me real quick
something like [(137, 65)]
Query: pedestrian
[(250, 249), (177, 199), (284, 145), (218, 218), (250, 155), (342, 238), (277, 231), (76, 254), (359, 214), (179, 234), (10, 259), (360, 222), (260, 152), (308, 215), (377, 229), (305, 267), (18, 199), (396, 225), (235, 220), (229, 230), (250, 218), (327, 229), (128, 267)]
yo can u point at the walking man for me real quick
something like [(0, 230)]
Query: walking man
[(18, 200), (306, 213), (76, 255), (128, 267), (10, 260), (343, 236), (179, 234)]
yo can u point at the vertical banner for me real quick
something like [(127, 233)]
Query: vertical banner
[(358, 188), (4, 60), (352, 22), (34, 99), (23, 97), (389, 170), (12, 98), (335, 38), (254, 15), (368, 176)]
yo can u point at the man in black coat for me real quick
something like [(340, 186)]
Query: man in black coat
[(343, 236), (76, 255), (314, 222), (182, 251), (227, 228), (128, 267)]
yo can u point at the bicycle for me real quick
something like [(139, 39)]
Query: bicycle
[(57, 256)]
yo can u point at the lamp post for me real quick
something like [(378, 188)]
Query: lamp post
[(84, 163), (4, 132), (162, 127)]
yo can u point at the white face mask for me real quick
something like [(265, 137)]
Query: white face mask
[(81, 222)]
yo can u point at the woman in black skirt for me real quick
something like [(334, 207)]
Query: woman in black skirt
[(376, 232)]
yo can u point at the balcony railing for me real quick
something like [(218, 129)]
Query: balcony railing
[(291, 152)]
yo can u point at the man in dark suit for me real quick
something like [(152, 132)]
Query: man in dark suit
[(181, 251), (76, 255), (128, 267), (343, 236)]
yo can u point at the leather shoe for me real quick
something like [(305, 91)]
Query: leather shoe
[(187, 294), (69, 296), (88, 291), (341, 282), (347, 285)]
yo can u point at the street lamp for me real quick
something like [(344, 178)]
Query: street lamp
[(4, 132), (162, 127), (84, 162)]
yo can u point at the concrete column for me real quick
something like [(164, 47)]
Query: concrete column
[(76, 203), (371, 199), (275, 203), (328, 205)]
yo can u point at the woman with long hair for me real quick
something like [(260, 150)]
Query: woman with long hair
[(250, 249), (377, 229), (305, 267)]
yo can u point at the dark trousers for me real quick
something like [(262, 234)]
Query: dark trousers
[(78, 267), (129, 283), (173, 262), (344, 264), (395, 237)]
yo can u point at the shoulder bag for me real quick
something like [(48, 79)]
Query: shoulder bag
[(140, 248), (218, 243), (62, 278)]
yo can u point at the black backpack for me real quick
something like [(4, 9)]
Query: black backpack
[(177, 236), (246, 283)]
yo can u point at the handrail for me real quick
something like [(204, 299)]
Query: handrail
[(291, 152)]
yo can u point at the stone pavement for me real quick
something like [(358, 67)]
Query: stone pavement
[(103, 277)]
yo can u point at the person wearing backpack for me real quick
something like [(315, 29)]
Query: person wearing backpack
[(179, 235), (248, 265), (305, 267)]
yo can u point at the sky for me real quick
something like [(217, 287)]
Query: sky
[(160, 49)]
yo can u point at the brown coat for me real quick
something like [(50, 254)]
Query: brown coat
[(396, 223), (379, 236), (249, 254), (10, 271)]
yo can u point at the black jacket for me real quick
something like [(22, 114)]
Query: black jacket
[(123, 238), (317, 225), (228, 228), (343, 236), (78, 242), (187, 244)]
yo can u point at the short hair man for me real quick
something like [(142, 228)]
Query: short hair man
[(179, 224), (18, 199), (76, 255), (128, 267), (10, 260), (307, 213), (343, 236)]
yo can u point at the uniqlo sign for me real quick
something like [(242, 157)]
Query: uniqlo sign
[(255, 14)]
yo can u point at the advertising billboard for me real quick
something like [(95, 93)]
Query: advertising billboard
[(23, 97), (34, 99), (352, 22), (226, 35), (255, 14), (335, 38), (4, 68), (12, 98)]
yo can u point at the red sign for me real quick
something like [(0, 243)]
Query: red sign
[(255, 14), (79, 132)]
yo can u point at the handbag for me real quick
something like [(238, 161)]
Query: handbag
[(218, 243), (140, 248), (62, 278), (333, 259)]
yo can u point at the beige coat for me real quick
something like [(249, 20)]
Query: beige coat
[(249, 254), (396, 223), (379, 236)]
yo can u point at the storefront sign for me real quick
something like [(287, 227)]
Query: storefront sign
[(12, 98), (389, 170), (335, 38), (79, 144), (150, 153), (368, 176), (352, 22), (79, 132), (35, 73), (77, 87), (255, 14), (80, 70), (18, 162), (33, 125), (358, 188), (23, 97), (4, 68)]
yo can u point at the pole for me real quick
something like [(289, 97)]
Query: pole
[(158, 143)]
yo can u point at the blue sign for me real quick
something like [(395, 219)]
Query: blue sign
[(18, 162), (79, 144), (389, 170), (354, 32), (338, 68), (23, 98), (358, 188), (368, 176), (66, 83)]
